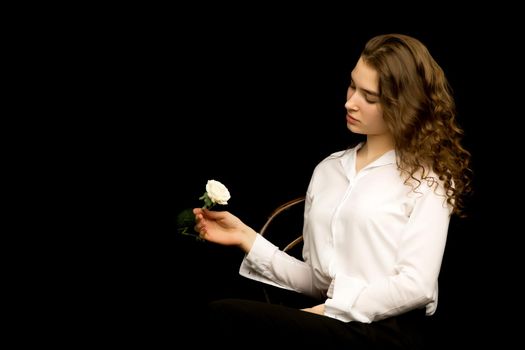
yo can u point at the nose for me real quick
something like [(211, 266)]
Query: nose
[(350, 103)]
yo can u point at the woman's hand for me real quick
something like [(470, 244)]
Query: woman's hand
[(224, 228), (318, 309)]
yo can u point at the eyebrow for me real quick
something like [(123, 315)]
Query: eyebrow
[(373, 93)]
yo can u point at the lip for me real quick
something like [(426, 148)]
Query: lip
[(351, 120)]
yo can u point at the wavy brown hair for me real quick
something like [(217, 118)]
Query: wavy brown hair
[(420, 112)]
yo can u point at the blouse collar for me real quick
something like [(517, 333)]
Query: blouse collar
[(348, 160)]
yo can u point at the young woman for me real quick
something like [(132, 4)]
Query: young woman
[(376, 216)]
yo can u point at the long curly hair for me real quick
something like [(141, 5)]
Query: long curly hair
[(420, 112)]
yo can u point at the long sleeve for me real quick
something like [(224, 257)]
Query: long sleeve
[(266, 263), (412, 282), (373, 243)]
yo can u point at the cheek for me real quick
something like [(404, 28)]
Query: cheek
[(376, 119)]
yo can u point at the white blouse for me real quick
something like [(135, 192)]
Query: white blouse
[(372, 246)]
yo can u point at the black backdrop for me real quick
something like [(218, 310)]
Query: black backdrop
[(256, 104)]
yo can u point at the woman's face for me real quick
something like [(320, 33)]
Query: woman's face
[(363, 110)]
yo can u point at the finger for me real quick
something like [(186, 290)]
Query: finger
[(212, 214), (202, 232), (198, 226)]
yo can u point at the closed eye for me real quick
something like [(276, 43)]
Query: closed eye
[(370, 96)]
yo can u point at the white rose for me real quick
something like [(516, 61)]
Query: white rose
[(217, 192)]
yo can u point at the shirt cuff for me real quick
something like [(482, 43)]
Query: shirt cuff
[(256, 264), (346, 290), (261, 253)]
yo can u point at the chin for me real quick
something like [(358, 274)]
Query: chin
[(353, 129)]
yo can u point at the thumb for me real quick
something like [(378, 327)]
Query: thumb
[(212, 214)]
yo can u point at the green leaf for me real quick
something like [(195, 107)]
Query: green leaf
[(186, 218), (186, 224)]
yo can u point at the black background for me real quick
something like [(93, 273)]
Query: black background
[(256, 101)]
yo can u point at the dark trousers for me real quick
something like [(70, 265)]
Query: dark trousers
[(236, 322)]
